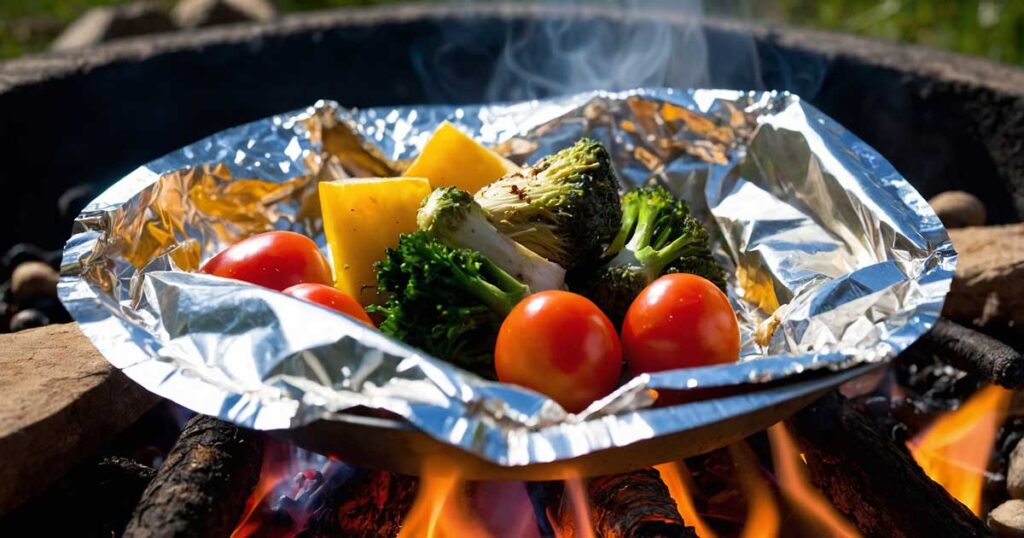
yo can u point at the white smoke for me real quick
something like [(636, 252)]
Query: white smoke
[(570, 46)]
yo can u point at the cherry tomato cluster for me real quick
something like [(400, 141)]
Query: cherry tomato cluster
[(555, 342), (561, 344), (286, 262)]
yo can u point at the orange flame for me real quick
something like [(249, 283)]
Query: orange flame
[(576, 489), (678, 479), (275, 468), (441, 508), (791, 473), (762, 510), (954, 449)]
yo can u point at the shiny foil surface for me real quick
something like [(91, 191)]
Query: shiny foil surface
[(835, 261)]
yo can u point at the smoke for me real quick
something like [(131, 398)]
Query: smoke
[(514, 53)]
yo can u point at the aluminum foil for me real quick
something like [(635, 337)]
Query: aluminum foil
[(836, 262)]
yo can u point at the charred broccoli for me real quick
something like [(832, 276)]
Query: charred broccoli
[(452, 216), (565, 207), (449, 302), (658, 236)]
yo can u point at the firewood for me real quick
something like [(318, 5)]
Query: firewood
[(95, 499), (973, 352), (370, 505), (202, 487), (60, 402), (874, 482), (627, 504)]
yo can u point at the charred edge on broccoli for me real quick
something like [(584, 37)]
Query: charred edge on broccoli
[(658, 236), (565, 207), (446, 301)]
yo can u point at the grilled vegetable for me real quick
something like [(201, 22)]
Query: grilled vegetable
[(362, 217), (446, 301), (450, 158), (455, 218), (657, 236), (565, 207), (679, 321), (559, 344)]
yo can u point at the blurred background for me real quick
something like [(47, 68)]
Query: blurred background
[(989, 28)]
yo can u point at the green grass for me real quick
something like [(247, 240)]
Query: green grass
[(990, 28)]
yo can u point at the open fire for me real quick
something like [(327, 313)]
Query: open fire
[(759, 487)]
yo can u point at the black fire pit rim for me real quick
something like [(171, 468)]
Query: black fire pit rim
[(913, 59)]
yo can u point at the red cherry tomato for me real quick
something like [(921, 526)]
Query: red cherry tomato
[(274, 260), (330, 297), (679, 321), (559, 344)]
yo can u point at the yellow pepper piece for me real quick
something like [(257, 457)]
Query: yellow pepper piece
[(451, 158), (362, 217)]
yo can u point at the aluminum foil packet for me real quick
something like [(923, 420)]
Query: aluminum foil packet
[(835, 261)]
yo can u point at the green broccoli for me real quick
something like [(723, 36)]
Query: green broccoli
[(452, 216), (658, 236), (565, 207), (449, 302)]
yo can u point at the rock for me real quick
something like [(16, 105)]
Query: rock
[(60, 402), (958, 209), (28, 319), (1007, 519), (21, 253), (33, 280), (986, 290), (201, 13), (103, 24), (1015, 474)]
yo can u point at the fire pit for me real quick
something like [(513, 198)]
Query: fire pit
[(727, 490)]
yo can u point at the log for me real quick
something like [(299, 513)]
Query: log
[(874, 482), (973, 352), (95, 499), (636, 503), (370, 505), (60, 402), (202, 487)]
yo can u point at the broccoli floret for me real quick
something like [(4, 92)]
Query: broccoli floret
[(456, 219), (565, 207), (449, 302), (658, 236)]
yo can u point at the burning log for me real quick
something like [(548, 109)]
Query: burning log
[(370, 505), (973, 352), (202, 488), (627, 504), (874, 482)]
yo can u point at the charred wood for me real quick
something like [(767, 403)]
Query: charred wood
[(874, 482), (370, 505), (973, 352), (202, 487), (627, 504), (94, 499)]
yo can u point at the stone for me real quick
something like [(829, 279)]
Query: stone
[(1007, 519), (28, 319), (33, 280), (986, 290), (1015, 472), (102, 24), (60, 402), (202, 13), (959, 209)]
